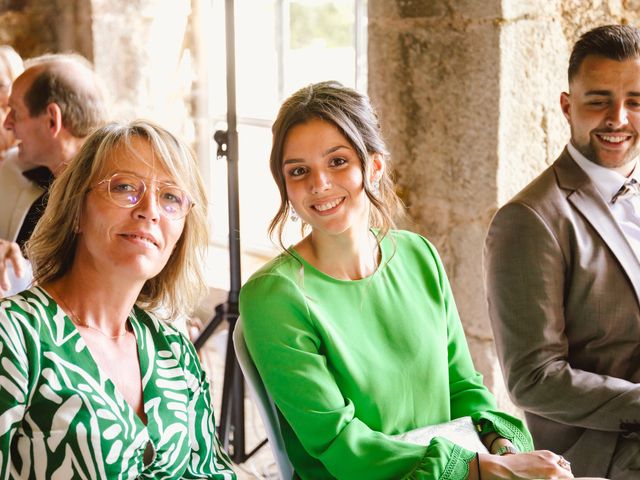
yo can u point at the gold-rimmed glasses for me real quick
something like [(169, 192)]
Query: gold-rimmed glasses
[(127, 190)]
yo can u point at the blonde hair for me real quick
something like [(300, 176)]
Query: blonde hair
[(179, 286), (353, 115)]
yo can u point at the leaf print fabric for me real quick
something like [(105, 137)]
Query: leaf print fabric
[(61, 417)]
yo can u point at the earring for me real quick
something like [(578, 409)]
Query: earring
[(375, 187), (293, 215)]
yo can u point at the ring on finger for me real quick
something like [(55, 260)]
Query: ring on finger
[(564, 463)]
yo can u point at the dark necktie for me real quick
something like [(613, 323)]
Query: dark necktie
[(629, 189)]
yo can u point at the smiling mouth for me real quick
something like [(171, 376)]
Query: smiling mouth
[(329, 205), (138, 237), (609, 138)]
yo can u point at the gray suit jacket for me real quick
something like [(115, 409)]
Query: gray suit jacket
[(563, 286)]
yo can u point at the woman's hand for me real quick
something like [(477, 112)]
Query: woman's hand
[(537, 464)]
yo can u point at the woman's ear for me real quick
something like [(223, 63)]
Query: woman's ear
[(377, 167)]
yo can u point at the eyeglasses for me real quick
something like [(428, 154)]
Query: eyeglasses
[(127, 190)]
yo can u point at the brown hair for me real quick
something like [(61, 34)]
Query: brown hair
[(352, 113), (178, 287), (615, 42), (68, 80)]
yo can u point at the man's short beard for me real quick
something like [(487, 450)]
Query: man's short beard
[(590, 153)]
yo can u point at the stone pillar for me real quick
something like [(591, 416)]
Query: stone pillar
[(468, 96), (434, 76)]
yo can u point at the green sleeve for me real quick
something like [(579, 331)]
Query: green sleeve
[(207, 459), (468, 394), (287, 351), (14, 378)]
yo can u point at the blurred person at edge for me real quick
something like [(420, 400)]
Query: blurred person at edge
[(10, 67), (354, 330), (54, 104), (95, 383)]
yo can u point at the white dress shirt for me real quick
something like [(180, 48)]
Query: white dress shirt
[(626, 211)]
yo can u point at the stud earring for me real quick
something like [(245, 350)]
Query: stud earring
[(293, 215)]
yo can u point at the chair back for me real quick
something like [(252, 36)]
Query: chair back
[(263, 402)]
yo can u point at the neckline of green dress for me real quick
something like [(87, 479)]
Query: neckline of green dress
[(384, 258)]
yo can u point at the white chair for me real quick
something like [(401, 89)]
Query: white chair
[(263, 402)]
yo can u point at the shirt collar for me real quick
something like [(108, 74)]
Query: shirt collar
[(607, 181)]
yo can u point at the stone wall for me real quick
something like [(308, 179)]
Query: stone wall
[(34, 27), (434, 75), (140, 49), (468, 95)]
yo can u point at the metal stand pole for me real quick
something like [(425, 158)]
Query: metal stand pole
[(231, 428)]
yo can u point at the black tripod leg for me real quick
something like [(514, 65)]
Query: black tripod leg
[(208, 330), (228, 429), (237, 415)]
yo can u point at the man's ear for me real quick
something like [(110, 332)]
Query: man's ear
[(565, 104), (54, 119)]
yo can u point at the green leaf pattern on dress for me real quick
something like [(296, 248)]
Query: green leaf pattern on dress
[(61, 417)]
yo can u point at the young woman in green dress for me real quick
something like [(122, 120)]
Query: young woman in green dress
[(94, 384), (354, 330)]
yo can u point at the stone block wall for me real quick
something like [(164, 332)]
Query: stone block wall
[(34, 27), (132, 43), (434, 76)]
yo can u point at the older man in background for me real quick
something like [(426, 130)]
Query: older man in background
[(56, 102)]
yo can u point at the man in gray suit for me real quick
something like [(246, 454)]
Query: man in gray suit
[(562, 271)]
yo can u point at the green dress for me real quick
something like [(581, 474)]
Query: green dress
[(351, 363), (62, 418)]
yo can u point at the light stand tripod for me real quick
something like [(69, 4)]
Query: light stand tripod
[(231, 427)]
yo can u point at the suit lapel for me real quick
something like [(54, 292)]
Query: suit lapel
[(585, 197)]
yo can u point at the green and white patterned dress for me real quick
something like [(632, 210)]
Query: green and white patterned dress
[(62, 418)]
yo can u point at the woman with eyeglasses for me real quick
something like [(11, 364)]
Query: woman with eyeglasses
[(354, 330), (93, 382)]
